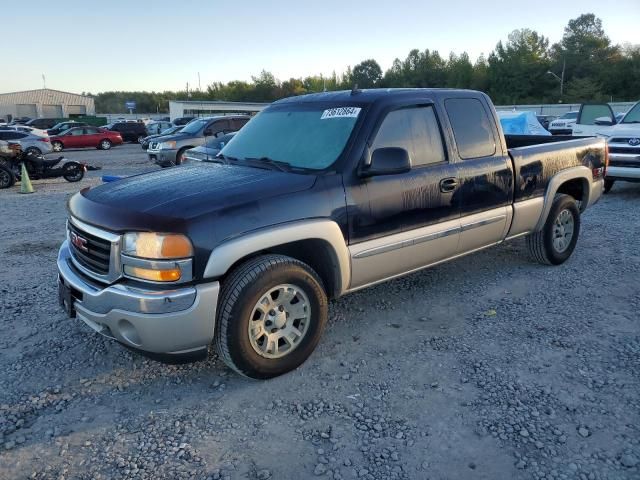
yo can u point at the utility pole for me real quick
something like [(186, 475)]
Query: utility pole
[(199, 87), (44, 81), (561, 78)]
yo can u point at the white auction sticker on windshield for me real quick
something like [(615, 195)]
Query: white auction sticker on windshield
[(341, 112)]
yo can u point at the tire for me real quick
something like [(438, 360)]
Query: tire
[(105, 144), (72, 172), (552, 245), (57, 146), (34, 150), (7, 179), (179, 155), (608, 185), (140, 139), (259, 280)]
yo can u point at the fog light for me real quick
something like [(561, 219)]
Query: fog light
[(172, 275)]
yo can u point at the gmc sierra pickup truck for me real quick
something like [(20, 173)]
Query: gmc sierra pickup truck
[(317, 196)]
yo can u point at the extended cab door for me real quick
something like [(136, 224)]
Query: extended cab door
[(405, 221), (594, 118), (485, 174)]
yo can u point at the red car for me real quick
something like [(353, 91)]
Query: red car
[(85, 137)]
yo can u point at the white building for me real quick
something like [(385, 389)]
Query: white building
[(205, 108), (45, 103)]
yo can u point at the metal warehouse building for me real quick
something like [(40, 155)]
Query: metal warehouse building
[(46, 103), (205, 108)]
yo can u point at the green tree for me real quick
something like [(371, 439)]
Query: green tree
[(517, 70), (367, 74)]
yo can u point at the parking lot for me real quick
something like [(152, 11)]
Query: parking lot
[(487, 367)]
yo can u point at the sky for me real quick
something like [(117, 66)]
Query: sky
[(88, 46)]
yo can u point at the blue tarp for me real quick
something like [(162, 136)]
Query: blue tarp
[(521, 123)]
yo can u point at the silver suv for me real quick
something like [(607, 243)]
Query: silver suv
[(169, 150)]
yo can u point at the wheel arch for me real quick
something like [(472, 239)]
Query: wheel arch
[(318, 243), (574, 181)]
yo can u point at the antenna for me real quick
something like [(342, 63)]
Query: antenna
[(355, 90)]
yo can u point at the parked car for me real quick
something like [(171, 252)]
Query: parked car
[(20, 121), (545, 120), (564, 124), (169, 131), (130, 131), (86, 137), (321, 195), (25, 129), (182, 120), (28, 142), (168, 150), (208, 151), (42, 123), (63, 126), (623, 139), (154, 128)]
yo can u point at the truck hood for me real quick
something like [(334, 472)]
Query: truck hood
[(624, 129), (193, 190)]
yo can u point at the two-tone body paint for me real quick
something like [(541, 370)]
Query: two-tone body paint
[(216, 205)]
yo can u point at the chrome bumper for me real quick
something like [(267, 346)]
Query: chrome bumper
[(172, 322), (623, 172)]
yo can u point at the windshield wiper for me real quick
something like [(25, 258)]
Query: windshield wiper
[(282, 166)]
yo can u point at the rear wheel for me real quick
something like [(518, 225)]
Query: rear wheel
[(73, 172), (105, 144), (555, 243), (7, 179), (608, 185), (57, 146), (34, 150), (271, 316)]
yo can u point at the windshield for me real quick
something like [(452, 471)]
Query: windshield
[(310, 135), (570, 115), (194, 126), (170, 130), (633, 115)]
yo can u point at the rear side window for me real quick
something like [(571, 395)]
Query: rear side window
[(238, 123), (471, 127), (590, 113), (416, 130)]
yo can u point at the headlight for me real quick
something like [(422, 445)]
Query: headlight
[(167, 145), (157, 257), (160, 246)]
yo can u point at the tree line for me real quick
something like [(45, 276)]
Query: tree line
[(583, 66)]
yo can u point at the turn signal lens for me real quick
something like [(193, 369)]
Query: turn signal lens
[(157, 245), (172, 275)]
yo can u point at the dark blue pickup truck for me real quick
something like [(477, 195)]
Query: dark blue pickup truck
[(317, 196)]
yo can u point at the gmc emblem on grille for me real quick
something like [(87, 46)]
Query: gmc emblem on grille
[(634, 142), (78, 242)]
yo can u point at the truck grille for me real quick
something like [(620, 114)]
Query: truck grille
[(95, 252)]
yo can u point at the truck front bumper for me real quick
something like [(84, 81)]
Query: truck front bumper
[(624, 166), (164, 158), (173, 324)]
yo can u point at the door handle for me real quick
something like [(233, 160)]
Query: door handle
[(448, 185)]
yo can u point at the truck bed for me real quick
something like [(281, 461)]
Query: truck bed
[(538, 158)]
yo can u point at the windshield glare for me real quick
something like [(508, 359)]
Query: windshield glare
[(310, 136), (194, 126), (633, 115)]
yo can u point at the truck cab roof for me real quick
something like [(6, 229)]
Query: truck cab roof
[(375, 94)]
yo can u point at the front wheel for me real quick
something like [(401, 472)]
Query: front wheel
[(555, 243), (271, 316), (105, 144), (34, 151), (73, 172), (140, 139), (57, 146), (7, 179)]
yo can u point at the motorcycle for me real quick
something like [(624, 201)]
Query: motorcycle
[(38, 167)]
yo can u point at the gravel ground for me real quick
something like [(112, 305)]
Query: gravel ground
[(489, 367)]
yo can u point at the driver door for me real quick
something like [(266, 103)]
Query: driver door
[(74, 138)]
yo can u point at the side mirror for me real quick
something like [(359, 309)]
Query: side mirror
[(604, 121), (388, 161)]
